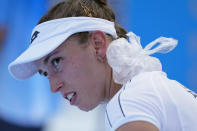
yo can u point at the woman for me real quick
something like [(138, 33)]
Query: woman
[(87, 58)]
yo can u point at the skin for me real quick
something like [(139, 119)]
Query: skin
[(3, 32), (76, 67), (80, 70), (138, 126)]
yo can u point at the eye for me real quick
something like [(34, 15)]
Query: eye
[(40, 72), (55, 62), (43, 73)]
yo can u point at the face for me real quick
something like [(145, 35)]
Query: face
[(75, 72)]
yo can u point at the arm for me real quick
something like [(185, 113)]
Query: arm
[(138, 126)]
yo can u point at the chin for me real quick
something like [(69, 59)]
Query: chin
[(86, 109)]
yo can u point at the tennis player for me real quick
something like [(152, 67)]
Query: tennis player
[(87, 57)]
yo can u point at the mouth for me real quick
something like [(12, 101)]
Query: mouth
[(71, 97)]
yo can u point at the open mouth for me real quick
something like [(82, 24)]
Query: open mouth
[(72, 96)]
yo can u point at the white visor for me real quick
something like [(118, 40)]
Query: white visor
[(47, 36)]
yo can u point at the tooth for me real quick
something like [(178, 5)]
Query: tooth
[(70, 96)]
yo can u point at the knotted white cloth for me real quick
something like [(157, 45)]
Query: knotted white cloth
[(128, 59)]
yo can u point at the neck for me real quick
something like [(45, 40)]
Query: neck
[(112, 89)]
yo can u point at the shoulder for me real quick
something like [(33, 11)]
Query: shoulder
[(137, 101), (145, 83), (148, 77)]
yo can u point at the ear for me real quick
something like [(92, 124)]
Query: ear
[(99, 42)]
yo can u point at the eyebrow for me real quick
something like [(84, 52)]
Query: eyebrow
[(46, 60)]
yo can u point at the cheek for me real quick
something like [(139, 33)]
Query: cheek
[(78, 74), (72, 72), (80, 70), (81, 78)]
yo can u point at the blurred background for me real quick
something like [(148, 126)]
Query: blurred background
[(29, 105), (151, 19)]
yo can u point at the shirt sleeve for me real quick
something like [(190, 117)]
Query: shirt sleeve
[(138, 101)]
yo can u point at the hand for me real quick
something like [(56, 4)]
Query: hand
[(3, 33)]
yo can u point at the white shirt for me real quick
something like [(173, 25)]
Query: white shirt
[(154, 98)]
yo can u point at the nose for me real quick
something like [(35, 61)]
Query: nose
[(55, 85)]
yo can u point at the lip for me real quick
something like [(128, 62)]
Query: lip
[(73, 100)]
